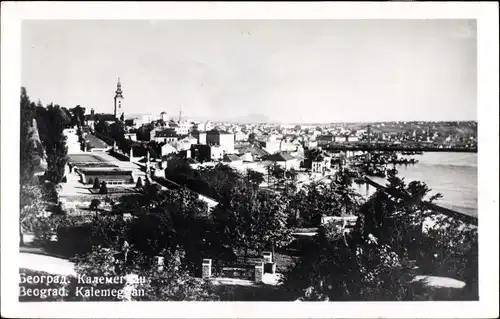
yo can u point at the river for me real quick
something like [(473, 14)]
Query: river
[(454, 175)]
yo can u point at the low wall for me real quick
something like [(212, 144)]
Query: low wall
[(237, 271)]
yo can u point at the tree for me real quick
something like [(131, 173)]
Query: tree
[(347, 198), (168, 281), (143, 132), (104, 188), (139, 183), (31, 210), (251, 138), (339, 270), (277, 172), (292, 174), (253, 220), (396, 214), (94, 205), (101, 127), (449, 248), (97, 183), (78, 114), (54, 141), (171, 282), (314, 201), (255, 178), (100, 262), (269, 169), (27, 147)]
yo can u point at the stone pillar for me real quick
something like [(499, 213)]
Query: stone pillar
[(206, 268), (148, 164), (159, 262), (268, 256), (259, 272)]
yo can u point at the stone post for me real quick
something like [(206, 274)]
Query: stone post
[(148, 165), (206, 268), (159, 262), (259, 272)]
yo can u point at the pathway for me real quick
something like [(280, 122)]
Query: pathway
[(48, 264)]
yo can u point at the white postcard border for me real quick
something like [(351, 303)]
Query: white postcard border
[(487, 15)]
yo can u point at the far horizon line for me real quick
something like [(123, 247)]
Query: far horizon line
[(207, 118)]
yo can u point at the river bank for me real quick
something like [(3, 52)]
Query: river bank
[(454, 175)]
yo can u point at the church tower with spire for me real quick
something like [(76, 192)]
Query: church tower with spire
[(119, 109)]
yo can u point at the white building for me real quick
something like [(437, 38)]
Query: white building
[(187, 142), (241, 136), (165, 136), (285, 160), (352, 138), (131, 136), (216, 152), (200, 136), (233, 161), (320, 164), (272, 147), (180, 127), (168, 149), (204, 126), (221, 138), (139, 120)]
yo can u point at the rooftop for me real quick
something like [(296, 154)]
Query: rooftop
[(231, 158), (325, 137), (166, 133), (249, 148), (196, 132), (102, 116), (217, 131), (280, 157)]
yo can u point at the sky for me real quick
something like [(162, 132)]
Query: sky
[(287, 70)]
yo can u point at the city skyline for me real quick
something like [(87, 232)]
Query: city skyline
[(349, 70)]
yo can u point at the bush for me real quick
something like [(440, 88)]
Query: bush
[(103, 189), (50, 193), (97, 185), (43, 229), (139, 183)]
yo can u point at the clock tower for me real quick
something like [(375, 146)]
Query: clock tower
[(119, 109)]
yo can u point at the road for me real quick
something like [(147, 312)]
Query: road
[(48, 264)]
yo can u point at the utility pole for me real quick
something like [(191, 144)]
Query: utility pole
[(369, 131)]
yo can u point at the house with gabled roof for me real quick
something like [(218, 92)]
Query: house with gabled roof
[(233, 160), (221, 138), (166, 136), (285, 160)]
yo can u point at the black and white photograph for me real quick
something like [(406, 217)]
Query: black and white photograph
[(291, 160)]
